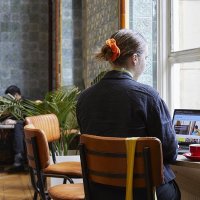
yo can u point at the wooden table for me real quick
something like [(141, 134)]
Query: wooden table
[(4, 126), (188, 177)]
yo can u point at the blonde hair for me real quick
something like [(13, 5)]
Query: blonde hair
[(128, 41)]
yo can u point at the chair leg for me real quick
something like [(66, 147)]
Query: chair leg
[(85, 172), (64, 181), (34, 184), (147, 165), (41, 188), (47, 196), (35, 196), (69, 179)]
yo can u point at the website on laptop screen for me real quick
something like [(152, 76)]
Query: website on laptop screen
[(187, 125)]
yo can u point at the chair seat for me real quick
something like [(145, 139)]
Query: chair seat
[(67, 192), (71, 169)]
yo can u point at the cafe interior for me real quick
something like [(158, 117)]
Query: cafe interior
[(47, 49)]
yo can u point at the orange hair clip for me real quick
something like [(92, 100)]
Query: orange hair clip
[(115, 49)]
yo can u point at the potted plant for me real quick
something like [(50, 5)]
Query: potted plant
[(61, 102)]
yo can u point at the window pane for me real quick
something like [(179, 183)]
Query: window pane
[(185, 24), (185, 85), (143, 18)]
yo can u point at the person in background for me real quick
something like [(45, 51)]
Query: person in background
[(119, 106), (18, 133)]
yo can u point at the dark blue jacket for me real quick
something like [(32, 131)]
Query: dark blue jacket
[(118, 106)]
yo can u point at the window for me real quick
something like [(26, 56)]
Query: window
[(143, 18), (185, 30), (173, 34), (184, 53), (185, 79)]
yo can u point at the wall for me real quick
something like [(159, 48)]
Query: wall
[(100, 19), (24, 42), (24, 46)]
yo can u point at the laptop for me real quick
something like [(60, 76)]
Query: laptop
[(187, 127)]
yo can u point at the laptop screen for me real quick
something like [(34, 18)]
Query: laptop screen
[(187, 125)]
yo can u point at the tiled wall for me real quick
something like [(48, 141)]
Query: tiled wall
[(101, 20), (24, 42), (24, 46)]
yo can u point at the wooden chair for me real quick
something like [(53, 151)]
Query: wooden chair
[(40, 167), (104, 161), (49, 124), (67, 192)]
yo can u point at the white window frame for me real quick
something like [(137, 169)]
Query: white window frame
[(166, 58), (162, 52)]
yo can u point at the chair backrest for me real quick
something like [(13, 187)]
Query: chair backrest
[(48, 123), (38, 157), (103, 161), (37, 148)]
